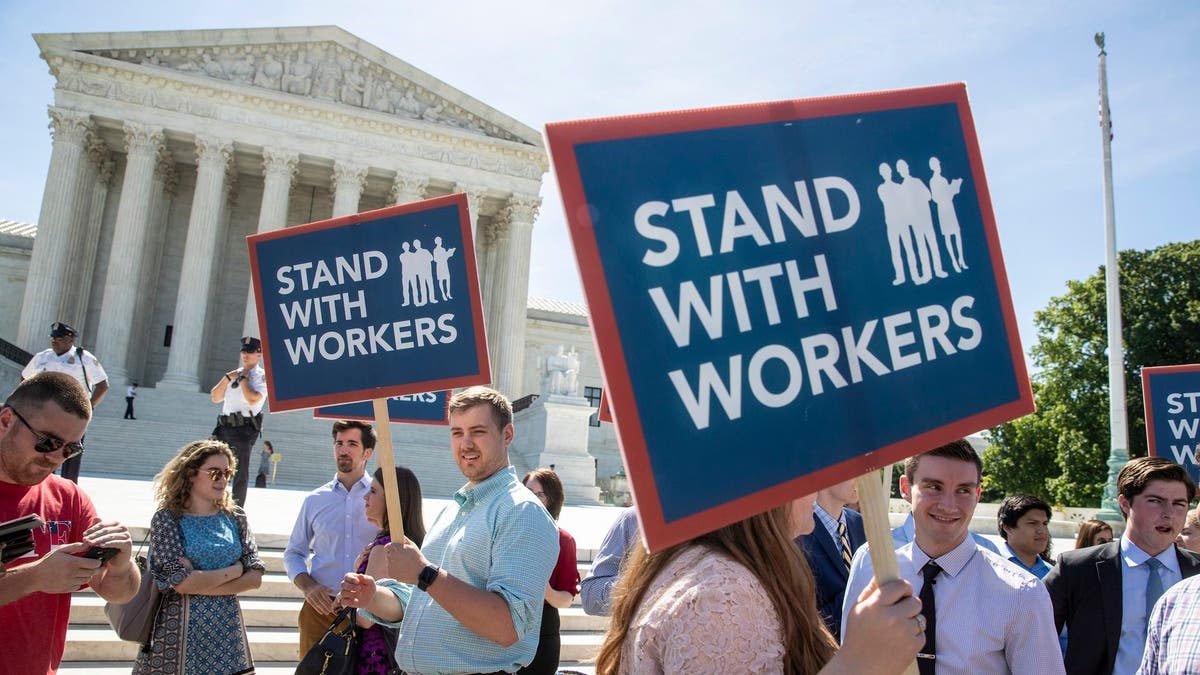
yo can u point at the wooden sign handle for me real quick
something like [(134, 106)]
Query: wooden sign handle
[(386, 461), (873, 502)]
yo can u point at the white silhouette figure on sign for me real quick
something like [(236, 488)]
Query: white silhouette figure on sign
[(424, 270), (408, 276), (441, 258), (917, 199), (898, 233), (943, 192)]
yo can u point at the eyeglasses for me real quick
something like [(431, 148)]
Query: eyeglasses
[(215, 474), (47, 444)]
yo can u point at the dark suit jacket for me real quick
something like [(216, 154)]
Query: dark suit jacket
[(825, 558), (1085, 587)]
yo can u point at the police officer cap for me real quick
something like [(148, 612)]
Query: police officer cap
[(251, 344), (59, 329)]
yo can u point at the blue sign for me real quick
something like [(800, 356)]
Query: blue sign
[(427, 408), (373, 305), (786, 295), (1171, 395)]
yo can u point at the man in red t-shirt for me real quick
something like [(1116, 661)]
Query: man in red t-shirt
[(41, 425)]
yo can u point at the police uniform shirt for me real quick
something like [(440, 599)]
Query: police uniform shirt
[(69, 363), (236, 403)]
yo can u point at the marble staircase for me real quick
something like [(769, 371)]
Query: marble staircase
[(270, 613)]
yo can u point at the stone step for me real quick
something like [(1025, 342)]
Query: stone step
[(260, 667), (87, 609), (94, 643), (99, 643)]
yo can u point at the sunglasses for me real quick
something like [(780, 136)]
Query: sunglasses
[(215, 474), (48, 444)]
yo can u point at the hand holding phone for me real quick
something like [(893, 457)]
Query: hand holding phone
[(101, 553)]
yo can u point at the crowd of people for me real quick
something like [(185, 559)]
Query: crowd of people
[(790, 590)]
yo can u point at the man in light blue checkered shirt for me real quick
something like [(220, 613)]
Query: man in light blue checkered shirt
[(483, 571)]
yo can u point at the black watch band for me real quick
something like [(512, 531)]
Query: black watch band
[(427, 577)]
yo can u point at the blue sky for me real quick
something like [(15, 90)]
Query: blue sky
[(1030, 68)]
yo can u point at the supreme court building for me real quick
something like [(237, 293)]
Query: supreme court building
[(170, 147)]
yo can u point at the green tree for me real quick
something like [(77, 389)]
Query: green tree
[(1059, 452)]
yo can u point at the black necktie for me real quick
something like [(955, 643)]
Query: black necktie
[(925, 659)]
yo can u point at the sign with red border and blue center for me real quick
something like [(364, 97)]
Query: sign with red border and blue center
[(786, 295), (378, 304), (1171, 396)]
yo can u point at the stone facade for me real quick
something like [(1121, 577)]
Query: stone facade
[(170, 147)]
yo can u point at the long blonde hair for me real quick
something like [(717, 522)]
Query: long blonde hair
[(762, 545), (173, 485)]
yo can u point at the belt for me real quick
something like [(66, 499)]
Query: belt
[(238, 419)]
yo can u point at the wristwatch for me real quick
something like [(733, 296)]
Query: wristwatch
[(427, 577)]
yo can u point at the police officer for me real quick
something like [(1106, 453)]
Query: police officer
[(64, 357), (242, 393)]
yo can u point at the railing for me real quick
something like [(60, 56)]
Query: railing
[(14, 353), (523, 402)]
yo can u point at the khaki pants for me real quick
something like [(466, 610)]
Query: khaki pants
[(313, 625)]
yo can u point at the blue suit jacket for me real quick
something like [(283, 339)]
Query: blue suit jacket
[(825, 558)]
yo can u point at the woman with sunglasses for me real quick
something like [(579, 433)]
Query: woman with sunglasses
[(202, 555)]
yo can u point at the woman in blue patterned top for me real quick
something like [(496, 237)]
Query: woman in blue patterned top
[(202, 555)]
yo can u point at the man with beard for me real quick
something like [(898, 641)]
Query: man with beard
[(41, 424), (331, 530)]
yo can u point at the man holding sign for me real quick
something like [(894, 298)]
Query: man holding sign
[(485, 563), (982, 613)]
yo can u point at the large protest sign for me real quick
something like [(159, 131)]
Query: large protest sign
[(368, 306), (789, 294), (427, 408), (1171, 395)]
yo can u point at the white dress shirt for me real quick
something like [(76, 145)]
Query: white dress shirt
[(992, 617), (235, 402), (333, 528), (1134, 575), (70, 363)]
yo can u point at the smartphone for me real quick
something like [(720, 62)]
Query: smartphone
[(100, 553)]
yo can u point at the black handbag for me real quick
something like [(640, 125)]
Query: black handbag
[(336, 652)]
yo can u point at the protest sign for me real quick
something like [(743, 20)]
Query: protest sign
[(372, 305), (427, 408), (786, 295), (1171, 395)]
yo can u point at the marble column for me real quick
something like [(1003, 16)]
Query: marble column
[(474, 202), (408, 187), (199, 252), (279, 170), (491, 267), (60, 203), (89, 247), (121, 290), (512, 290), (349, 179), (166, 184), (77, 284)]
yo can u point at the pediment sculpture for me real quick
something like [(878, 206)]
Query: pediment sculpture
[(323, 71)]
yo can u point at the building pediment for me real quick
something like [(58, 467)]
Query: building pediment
[(321, 63)]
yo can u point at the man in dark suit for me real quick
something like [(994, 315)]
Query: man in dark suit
[(830, 548), (1103, 594)]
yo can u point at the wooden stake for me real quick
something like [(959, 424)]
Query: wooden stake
[(873, 501), (386, 461)]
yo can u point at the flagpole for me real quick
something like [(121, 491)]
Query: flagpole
[(1118, 427)]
